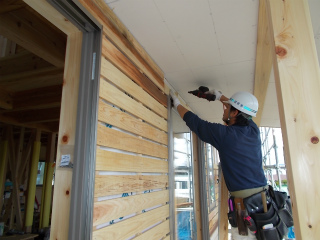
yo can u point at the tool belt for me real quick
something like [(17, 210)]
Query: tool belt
[(268, 223)]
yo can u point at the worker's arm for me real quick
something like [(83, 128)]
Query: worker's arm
[(182, 110)]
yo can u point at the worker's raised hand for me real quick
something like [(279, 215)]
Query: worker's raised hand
[(175, 99), (215, 92)]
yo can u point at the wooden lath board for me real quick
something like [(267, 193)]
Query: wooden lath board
[(118, 184), (119, 119), (119, 140), (132, 226), (157, 232), (109, 210), (127, 67), (124, 40), (113, 95), (113, 74), (114, 161)]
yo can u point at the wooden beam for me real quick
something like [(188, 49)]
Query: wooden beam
[(38, 98), (29, 31), (11, 5), (31, 79), (5, 99), (263, 61), (35, 116), (297, 76), (21, 62)]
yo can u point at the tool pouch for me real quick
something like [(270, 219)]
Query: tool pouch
[(232, 215), (278, 214)]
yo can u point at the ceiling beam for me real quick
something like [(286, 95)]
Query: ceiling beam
[(38, 98), (37, 78), (10, 5), (297, 78), (5, 99), (21, 62), (35, 116), (263, 61), (31, 32)]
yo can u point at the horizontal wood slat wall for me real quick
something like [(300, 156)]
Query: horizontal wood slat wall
[(131, 196)]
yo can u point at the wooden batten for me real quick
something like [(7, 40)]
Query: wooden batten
[(115, 56), (223, 209), (129, 227), (297, 76)]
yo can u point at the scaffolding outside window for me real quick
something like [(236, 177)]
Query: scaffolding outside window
[(273, 158)]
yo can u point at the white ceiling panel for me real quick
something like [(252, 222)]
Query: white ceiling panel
[(236, 27)]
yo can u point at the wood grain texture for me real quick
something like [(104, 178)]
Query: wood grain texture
[(117, 184), (113, 161), (29, 31), (124, 40), (66, 138), (52, 15), (157, 232), (113, 95), (119, 140), (223, 210), (132, 226), (109, 210), (113, 74), (127, 67), (297, 76), (119, 119), (263, 61)]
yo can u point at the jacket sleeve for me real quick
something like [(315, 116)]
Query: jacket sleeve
[(212, 133)]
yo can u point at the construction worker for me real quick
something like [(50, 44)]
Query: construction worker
[(238, 143)]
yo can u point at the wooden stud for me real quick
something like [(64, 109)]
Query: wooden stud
[(32, 182), (223, 209), (66, 138), (3, 164), (297, 76), (263, 61)]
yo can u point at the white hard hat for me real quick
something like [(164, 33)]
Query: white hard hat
[(245, 102)]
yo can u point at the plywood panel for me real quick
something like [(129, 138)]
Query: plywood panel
[(115, 139), (132, 226), (156, 232), (113, 74), (118, 184), (113, 161), (127, 67), (106, 211), (115, 117), (112, 94)]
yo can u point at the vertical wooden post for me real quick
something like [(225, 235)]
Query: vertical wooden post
[(47, 185), (32, 183), (223, 209), (3, 166), (197, 201), (297, 76), (66, 138)]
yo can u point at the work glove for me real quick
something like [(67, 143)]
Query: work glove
[(203, 92), (215, 92), (175, 99)]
